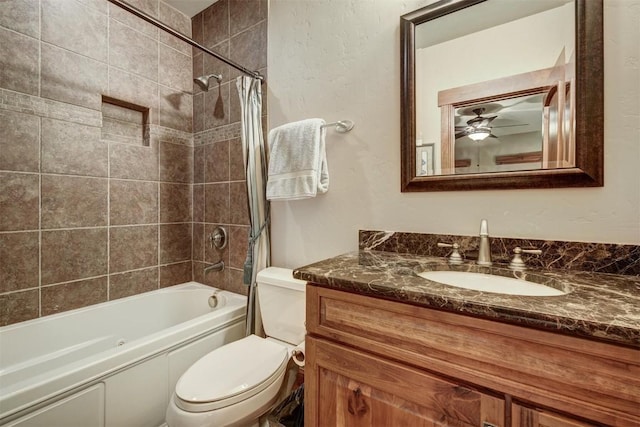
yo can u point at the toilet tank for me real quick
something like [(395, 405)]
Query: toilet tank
[(282, 304)]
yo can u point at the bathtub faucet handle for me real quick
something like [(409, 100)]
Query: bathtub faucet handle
[(218, 238)]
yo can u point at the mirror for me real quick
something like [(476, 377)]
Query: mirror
[(501, 94)]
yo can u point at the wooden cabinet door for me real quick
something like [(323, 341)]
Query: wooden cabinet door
[(526, 417), (346, 387)]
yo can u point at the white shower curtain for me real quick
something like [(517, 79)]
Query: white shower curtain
[(255, 160)]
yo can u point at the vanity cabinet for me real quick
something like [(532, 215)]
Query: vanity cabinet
[(375, 362), (526, 417), (358, 389)]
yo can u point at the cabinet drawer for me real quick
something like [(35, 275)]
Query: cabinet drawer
[(355, 389), (526, 417), (546, 369)]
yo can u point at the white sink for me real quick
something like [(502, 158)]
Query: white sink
[(490, 283)]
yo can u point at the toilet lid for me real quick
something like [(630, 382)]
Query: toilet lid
[(231, 373)]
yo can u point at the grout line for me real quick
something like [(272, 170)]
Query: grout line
[(251, 27), (39, 48), (138, 20), (33, 230), (17, 291), (193, 228), (174, 49), (120, 226), (159, 161), (64, 175), (40, 218), (158, 94), (96, 177), (49, 285), (19, 172), (11, 30), (228, 142), (124, 70), (98, 277), (132, 73), (156, 34), (75, 53), (108, 58), (39, 161), (108, 155), (88, 6), (108, 221)]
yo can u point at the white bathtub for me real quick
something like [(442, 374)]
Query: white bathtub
[(111, 364)]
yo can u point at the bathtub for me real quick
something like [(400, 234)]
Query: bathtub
[(111, 364)]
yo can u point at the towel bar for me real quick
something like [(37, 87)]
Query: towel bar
[(342, 126)]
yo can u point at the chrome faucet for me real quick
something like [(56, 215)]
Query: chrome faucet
[(484, 251), (218, 240), (218, 266)]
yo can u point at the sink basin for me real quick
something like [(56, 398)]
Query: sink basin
[(490, 283)]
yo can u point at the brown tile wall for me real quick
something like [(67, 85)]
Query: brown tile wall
[(83, 219), (236, 29)]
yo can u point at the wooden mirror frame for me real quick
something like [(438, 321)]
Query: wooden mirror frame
[(589, 126)]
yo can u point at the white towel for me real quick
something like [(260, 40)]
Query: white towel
[(297, 161)]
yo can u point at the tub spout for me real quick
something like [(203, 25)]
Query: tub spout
[(218, 266)]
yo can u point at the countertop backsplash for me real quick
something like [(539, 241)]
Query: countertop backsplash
[(577, 256)]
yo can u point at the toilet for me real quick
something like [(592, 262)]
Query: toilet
[(237, 383)]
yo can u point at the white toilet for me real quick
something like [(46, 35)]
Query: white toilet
[(237, 383)]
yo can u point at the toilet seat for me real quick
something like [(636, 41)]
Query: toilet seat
[(230, 374)]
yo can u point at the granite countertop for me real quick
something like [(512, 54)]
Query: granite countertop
[(598, 306)]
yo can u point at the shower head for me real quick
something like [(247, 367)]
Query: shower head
[(203, 81)]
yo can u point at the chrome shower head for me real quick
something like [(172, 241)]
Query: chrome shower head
[(203, 81)]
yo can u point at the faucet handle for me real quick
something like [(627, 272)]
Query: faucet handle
[(484, 227), (517, 263), (455, 257)]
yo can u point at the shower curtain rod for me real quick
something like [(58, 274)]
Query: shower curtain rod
[(150, 19)]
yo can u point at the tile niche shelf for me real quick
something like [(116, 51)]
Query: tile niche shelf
[(124, 122)]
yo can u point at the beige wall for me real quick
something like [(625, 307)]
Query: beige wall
[(87, 216), (340, 60)]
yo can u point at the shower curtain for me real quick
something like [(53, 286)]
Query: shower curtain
[(255, 161)]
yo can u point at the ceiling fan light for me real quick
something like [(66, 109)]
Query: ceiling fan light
[(479, 134)]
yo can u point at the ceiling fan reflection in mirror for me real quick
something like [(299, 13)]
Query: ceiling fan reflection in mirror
[(478, 128), (523, 114)]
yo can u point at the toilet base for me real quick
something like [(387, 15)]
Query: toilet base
[(242, 414)]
